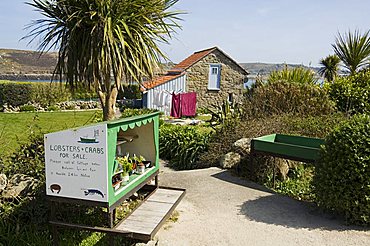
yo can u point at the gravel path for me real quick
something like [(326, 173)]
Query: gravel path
[(220, 209)]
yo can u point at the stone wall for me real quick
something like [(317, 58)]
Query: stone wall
[(232, 79)]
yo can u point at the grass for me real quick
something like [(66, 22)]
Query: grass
[(174, 216), (172, 219), (298, 184), (16, 127), (204, 117)]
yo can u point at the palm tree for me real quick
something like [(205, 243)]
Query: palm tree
[(353, 49), (102, 42), (330, 67)]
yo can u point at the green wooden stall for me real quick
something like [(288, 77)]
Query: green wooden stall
[(137, 136), (82, 165)]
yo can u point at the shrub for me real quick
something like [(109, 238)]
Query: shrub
[(128, 112), (313, 126), (83, 93), (298, 184), (182, 145), (49, 93), (352, 94), (129, 104), (27, 108), (129, 92), (202, 111), (285, 97), (28, 159), (53, 108), (15, 94), (297, 75), (234, 129), (342, 177), (221, 113)]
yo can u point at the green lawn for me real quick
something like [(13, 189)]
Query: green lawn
[(16, 127)]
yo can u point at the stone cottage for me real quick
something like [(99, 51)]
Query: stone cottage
[(211, 73)]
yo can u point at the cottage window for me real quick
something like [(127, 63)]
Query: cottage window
[(214, 77), (230, 98)]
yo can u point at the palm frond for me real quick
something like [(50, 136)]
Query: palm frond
[(353, 49), (298, 75), (100, 39)]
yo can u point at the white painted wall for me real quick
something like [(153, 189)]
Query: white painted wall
[(176, 85)]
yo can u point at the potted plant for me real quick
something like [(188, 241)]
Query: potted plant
[(140, 167), (125, 167)]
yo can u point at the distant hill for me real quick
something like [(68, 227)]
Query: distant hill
[(266, 68), (23, 64)]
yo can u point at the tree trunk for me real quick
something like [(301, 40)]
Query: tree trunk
[(108, 103)]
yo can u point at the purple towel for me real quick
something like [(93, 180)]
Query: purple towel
[(176, 106), (188, 104)]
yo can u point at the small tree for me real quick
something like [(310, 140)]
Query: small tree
[(330, 67), (353, 49), (102, 42)]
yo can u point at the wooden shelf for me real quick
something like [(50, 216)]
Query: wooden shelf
[(119, 142), (126, 138), (117, 173), (133, 178)]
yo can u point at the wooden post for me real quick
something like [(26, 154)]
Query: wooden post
[(114, 216), (274, 172), (111, 217), (156, 181), (54, 227)]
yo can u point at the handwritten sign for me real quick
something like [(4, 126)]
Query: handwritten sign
[(76, 163)]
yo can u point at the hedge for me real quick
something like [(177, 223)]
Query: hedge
[(342, 175), (17, 94)]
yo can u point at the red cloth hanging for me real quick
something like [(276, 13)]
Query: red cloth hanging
[(188, 103), (176, 106)]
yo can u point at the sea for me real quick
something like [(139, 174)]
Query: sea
[(251, 81)]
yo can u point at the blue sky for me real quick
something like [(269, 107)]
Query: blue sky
[(274, 31)]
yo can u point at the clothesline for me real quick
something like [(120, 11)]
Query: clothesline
[(163, 98), (173, 103)]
